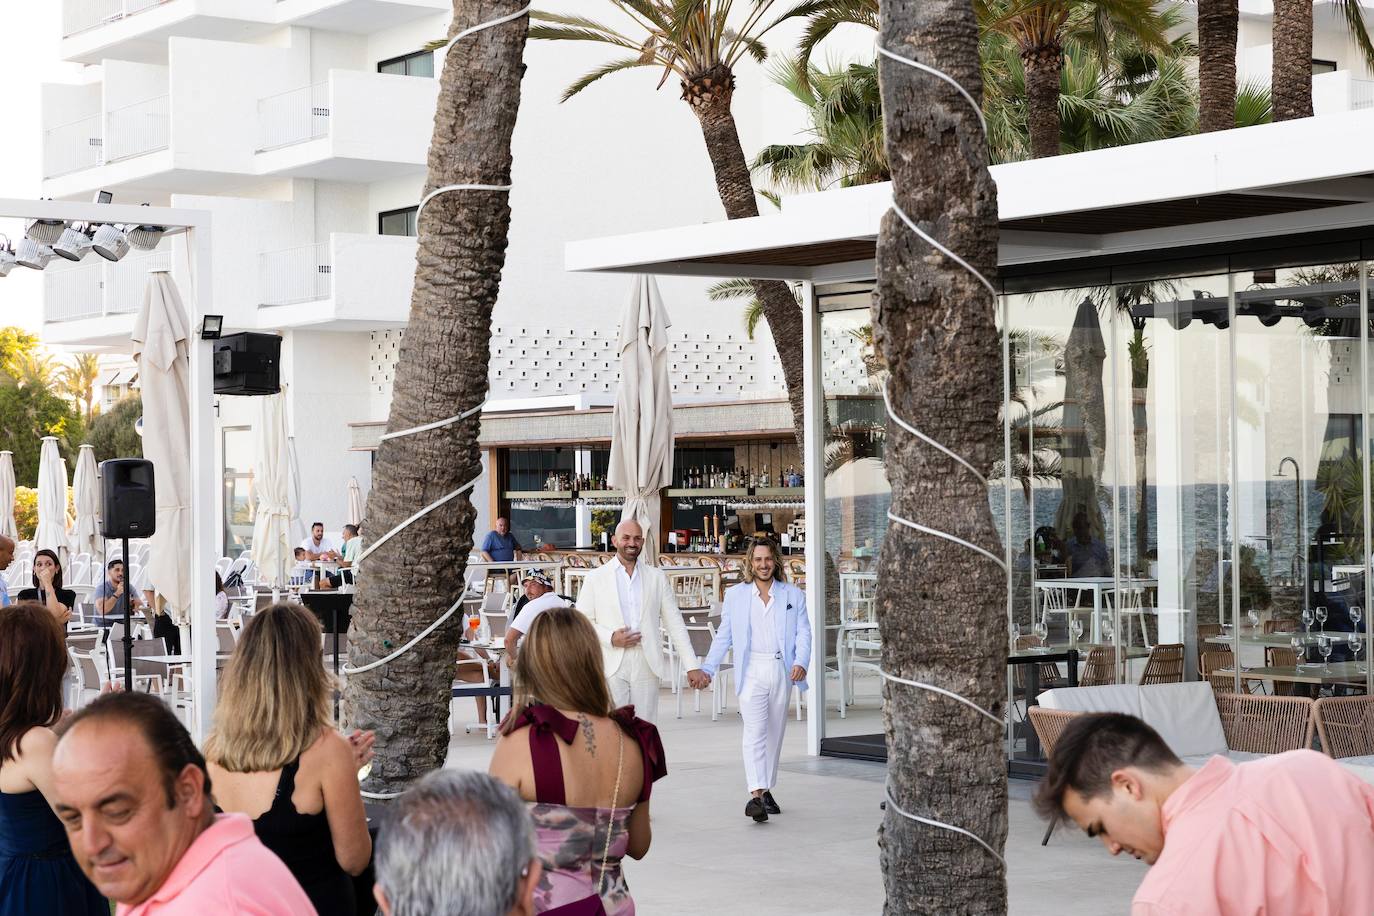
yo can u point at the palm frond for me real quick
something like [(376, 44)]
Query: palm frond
[(1353, 14), (734, 288), (1254, 104), (615, 66)]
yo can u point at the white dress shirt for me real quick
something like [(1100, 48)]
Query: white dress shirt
[(533, 609), (630, 589), (762, 636)]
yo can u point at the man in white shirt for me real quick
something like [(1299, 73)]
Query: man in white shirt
[(317, 546), (6, 557), (627, 603), (540, 591)]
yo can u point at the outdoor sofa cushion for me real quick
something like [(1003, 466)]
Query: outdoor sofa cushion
[(1362, 767), (1185, 715)]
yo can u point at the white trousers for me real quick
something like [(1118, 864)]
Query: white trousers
[(763, 705), (635, 682)]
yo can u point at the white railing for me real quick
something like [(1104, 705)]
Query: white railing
[(133, 130), (127, 279), (295, 116), (71, 292), (1361, 94), (72, 147), (80, 15), (302, 274)]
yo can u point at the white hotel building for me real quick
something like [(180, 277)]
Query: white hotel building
[(304, 125)]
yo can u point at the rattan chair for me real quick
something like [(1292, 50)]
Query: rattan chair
[(1206, 631), (1049, 673), (1279, 626), (1099, 667), (1214, 660), (1264, 724), (1281, 657), (1345, 725), (1164, 666)]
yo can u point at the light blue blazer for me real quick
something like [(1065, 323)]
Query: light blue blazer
[(789, 617)]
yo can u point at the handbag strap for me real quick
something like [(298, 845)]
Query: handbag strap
[(615, 796)]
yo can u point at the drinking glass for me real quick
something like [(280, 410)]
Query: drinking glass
[(1299, 650), (1321, 616), (1324, 647), (1254, 619), (1076, 629), (474, 624), (1015, 630), (1356, 644), (1355, 615), (1042, 630), (1307, 619)]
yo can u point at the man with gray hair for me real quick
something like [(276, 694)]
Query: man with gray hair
[(457, 843)]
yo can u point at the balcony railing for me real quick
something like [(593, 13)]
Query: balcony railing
[(294, 116), (1361, 94), (72, 147), (136, 129), (80, 15), (303, 274), (127, 279), (94, 287)]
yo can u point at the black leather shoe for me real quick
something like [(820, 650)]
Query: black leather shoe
[(755, 809), (769, 805)]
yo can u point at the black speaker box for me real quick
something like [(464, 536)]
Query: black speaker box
[(128, 502), (248, 364)]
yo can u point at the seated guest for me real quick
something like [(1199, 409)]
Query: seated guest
[(1087, 553), (47, 586), (7, 546), (457, 842), (109, 594), (348, 561), (133, 793), (221, 599), (37, 871), (500, 546), (317, 546), (539, 597), (548, 752), (274, 755), (1223, 839), (302, 573)]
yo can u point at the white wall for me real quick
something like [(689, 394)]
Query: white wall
[(373, 275), (334, 51), (127, 83), (341, 207)]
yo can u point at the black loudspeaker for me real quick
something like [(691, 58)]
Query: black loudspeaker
[(128, 502), (248, 363)]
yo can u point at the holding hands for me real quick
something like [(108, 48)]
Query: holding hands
[(798, 673), (698, 679)]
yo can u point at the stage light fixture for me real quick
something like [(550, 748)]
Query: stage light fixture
[(75, 242), (145, 237), (44, 231), (7, 259), (110, 242), (33, 255)]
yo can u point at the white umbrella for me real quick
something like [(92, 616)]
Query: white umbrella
[(642, 424), (7, 526), (355, 502), (86, 487), (162, 337), (271, 473), (52, 501)]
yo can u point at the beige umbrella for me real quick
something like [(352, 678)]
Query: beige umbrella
[(7, 526), (355, 502), (51, 533), (271, 477), (642, 424), (1084, 445), (86, 486), (162, 338)]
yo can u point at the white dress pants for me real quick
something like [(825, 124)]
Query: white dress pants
[(635, 682), (763, 705)]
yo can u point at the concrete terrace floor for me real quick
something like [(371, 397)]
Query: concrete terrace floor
[(820, 856)]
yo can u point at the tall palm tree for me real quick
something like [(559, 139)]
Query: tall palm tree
[(442, 371), (1292, 67), (1218, 25), (936, 327), (77, 382), (701, 42), (34, 370)]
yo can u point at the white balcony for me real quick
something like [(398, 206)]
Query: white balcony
[(73, 147), (137, 129), (119, 134), (352, 282), (294, 116), (92, 303), (80, 15)]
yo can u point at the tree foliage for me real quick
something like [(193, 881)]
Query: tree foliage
[(27, 414), (113, 433)]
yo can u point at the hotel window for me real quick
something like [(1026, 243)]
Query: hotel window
[(398, 222), (421, 63), (1323, 66)]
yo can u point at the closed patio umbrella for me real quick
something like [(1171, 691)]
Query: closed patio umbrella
[(52, 501), (86, 494), (162, 338), (7, 526), (271, 477), (641, 460), (355, 502), (1084, 445)]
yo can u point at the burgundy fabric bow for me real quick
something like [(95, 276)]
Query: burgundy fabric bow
[(545, 722)]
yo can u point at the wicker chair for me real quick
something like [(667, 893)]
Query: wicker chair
[(1281, 657), (1164, 666), (1206, 631), (1213, 660), (1049, 673), (1098, 669), (1279, 626), (1345, 725)]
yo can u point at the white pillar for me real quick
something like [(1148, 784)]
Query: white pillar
[(813, 467), (204, 482)]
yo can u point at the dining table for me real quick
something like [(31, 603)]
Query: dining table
[(1347, 672), (1099, 586)]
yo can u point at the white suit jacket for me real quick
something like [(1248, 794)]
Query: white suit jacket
[(599, 599)]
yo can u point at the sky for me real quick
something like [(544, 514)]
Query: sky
[(29, 44)]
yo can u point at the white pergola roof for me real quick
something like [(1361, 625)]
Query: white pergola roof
[(1276, 179)]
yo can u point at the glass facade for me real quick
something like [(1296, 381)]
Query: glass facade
[(1184, 484), (240, 502)]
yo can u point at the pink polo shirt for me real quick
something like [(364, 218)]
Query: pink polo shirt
[(227, 870), (1288, 835)]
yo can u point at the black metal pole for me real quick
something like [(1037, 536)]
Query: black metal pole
[(128, 634)]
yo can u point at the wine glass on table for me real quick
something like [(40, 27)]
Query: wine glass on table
[(474, 625), (1324, 647), (1076, 629), (1042, 630), (1299, 650), (1254, 619), (1321, 616), (1356, 644), (1355, 616), (1307, 619)]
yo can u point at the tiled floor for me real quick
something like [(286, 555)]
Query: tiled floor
[(820, 856)]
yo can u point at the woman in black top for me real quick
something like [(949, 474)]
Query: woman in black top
[(47, 586)]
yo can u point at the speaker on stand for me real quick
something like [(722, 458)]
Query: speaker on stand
[(128, 509)]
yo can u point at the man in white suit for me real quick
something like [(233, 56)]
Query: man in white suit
[(626, 602)]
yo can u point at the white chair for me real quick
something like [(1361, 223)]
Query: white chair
[(701, 636), (477, 690), (225, 638)]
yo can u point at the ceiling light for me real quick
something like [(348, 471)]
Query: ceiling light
[(75, 243), (145, 238), (32, 255), (7, 260), (45, 231), (110, 242)]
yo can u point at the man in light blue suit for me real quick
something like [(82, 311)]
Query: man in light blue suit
[(764, 619)]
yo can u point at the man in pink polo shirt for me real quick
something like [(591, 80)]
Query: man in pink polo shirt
[(133, 792), (1291, 834)]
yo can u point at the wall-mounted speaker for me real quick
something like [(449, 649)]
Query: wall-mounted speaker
[(248, 364)]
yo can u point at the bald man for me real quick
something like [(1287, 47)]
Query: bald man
[(627, 602), (6, 557)]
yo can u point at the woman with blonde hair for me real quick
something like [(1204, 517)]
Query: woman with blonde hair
[(274, 755), (585, 769)]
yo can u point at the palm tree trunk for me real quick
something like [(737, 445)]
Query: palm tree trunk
[(709, 95), (1218, 22), (442, 371), (1043, 65), (936, 325), (1292, 76)]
